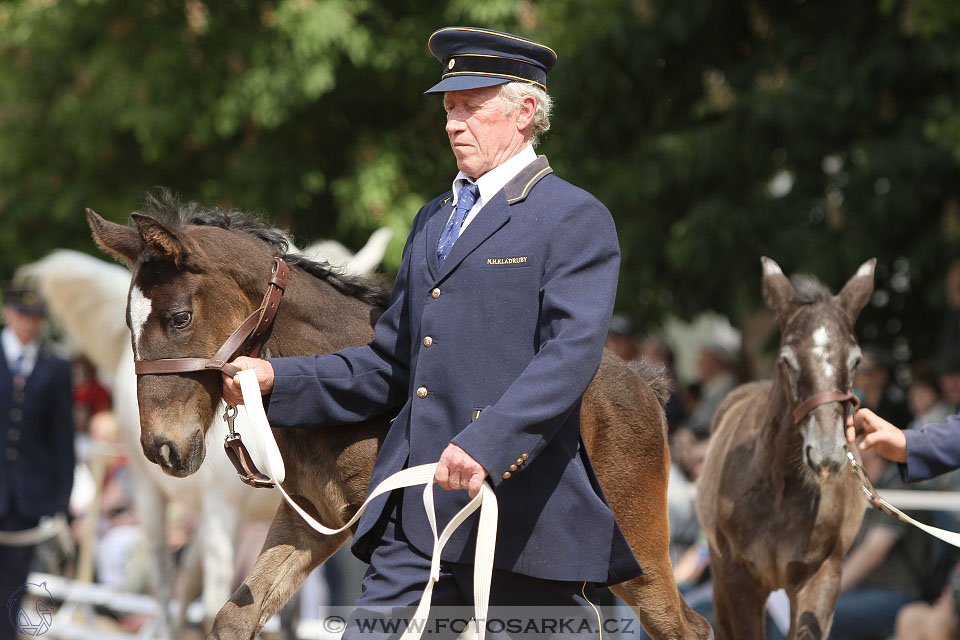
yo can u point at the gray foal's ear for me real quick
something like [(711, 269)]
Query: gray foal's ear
[(856, 293), (120, 241), (777, 290)]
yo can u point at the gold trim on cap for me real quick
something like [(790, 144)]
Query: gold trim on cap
[(491, 33), (495, 75)]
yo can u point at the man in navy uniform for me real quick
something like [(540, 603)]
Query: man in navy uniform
[(495, 329), (36, 433)]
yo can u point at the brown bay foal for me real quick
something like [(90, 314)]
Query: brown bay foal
[(777, 502), (198, 273)]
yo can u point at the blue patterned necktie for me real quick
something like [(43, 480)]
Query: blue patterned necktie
[(17, 366), (465, 201)]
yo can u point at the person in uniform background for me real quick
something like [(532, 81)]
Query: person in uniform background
[(495, 329), (36, 435)]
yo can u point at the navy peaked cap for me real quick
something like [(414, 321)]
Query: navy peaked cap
[(23, 299), (473, 58)]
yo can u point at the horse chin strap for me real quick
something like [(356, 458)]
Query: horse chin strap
[(247, 339)]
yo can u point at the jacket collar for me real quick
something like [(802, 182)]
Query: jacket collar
[(519, 188), (494, 215)]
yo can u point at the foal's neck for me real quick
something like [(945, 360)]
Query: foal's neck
[(780, 442), (314, 317)]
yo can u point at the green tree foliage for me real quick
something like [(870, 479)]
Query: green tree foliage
[(817, 133)]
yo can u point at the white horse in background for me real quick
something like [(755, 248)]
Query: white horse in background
[(86, 298)]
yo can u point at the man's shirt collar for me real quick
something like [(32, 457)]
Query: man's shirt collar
[(494, 180)]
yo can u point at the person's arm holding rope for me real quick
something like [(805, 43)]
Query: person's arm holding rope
[(923, 453)]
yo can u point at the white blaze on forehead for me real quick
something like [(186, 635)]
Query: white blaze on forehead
[(821, 338), (140, 307)]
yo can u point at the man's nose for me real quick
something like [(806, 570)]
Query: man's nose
[(454, 124)]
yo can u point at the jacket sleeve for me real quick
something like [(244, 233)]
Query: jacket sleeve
[(351, 385), (62, 430), (578, 288), (932, 449)]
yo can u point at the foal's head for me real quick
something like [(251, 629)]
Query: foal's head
[(818, 354), (195, 278)]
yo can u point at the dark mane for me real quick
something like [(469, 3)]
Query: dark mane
[(164, 205), (808, 290)]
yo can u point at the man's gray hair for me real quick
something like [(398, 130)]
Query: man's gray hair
[(513, 94)]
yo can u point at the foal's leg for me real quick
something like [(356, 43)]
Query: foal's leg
[(661, 610), (811, 605), (291, 552), (739, 600)]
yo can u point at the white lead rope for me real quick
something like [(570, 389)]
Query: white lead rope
[(48, 528), (875, 499), (485, 500)]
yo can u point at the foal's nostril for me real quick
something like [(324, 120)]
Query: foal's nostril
[(168, 455)]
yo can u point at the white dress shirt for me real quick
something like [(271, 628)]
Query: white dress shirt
[(492, 181), (13, 349)]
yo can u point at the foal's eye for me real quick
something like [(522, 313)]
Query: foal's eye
[(180, 320)]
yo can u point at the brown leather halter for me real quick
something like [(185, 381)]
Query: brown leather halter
[(802, 410), (247, 339)]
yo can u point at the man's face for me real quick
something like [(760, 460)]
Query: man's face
[(481, 135), (26, 326)]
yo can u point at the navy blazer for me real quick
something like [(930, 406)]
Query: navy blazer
[(492, 352), (931, 450), (36, 434)]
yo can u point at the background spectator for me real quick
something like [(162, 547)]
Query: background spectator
[(620, 339), (872, 384), (716, 368)]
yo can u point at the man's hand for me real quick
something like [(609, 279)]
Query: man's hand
[(457, 470), (231, 387), (878, 434)]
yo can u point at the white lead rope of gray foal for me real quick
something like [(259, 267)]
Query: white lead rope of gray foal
[(48, 528), (878, 501), (423, 474)]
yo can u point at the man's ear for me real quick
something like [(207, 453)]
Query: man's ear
[(525, 114)]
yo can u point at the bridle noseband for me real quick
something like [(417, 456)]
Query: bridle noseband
[(247, 339), (803, 409)]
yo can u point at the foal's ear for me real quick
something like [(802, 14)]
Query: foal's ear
[(120, 241), (777, 290), (159, 238), (856, 293)]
